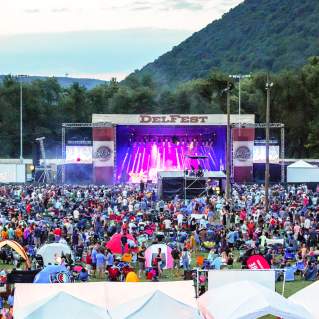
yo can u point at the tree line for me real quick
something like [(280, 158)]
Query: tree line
[(46, 105)]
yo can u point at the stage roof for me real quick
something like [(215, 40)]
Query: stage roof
[(172, 119)]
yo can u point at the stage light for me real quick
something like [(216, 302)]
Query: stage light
[(32, 168), (78, 159)]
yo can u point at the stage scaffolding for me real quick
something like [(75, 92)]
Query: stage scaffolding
[(81, 125), (280, 126)]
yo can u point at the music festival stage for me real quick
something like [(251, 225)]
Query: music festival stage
[(127, 148)]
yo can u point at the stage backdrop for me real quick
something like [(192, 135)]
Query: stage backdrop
[(243, 147), (103, 155)]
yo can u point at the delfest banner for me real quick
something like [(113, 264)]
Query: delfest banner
[(103, 154), (243, 153), (171, 119), (243, 150)]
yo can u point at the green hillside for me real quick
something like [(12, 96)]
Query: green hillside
[(256, 35)]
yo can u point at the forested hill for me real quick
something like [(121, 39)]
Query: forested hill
[(63, 81), (256, 35)]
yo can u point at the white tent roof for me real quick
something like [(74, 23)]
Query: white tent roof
[(122, 292), (308, 297), (247, 300), (301, 164), (68, 307), (107, 295), (26, 294), (50, 252), (156, 305)]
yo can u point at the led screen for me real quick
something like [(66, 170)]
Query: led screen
[(260, 154), (79, 154)]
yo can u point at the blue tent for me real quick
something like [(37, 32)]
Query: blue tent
[(53, 274)]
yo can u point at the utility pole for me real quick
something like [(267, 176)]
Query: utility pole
[(239, 77), (268, 89), (228, 146), (21, 116), (21, 123)]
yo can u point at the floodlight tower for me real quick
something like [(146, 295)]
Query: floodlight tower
[(45, 177)]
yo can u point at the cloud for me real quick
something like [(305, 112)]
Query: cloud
[(141, 3), (190, 5), (32, 11), (142, 8), (59, 10), (186, 5)]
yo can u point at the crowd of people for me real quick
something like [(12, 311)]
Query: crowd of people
[(86, 218)]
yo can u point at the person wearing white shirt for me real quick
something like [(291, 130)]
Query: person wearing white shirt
[(167, 224), (203, 223), (76, 214), (307, 223), (180, 218)]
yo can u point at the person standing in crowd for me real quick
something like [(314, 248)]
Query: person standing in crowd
[(141, 260), (186, 259), (100, 264)]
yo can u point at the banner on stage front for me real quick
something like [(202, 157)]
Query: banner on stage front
[(103, 153), (243, 153)]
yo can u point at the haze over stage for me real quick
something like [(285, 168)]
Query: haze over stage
[(143, 151)]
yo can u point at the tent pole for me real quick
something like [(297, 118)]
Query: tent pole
[(284, 284)]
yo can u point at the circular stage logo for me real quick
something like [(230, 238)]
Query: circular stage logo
[(103, 153), (242, 153)]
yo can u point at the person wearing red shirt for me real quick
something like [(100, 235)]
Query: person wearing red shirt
[(251, 228), (242, 215), (57, 233), (28, 208)]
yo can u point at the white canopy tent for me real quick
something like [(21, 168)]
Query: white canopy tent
[(122, 292), (156, 305), (52, 252), (63, 306), (106, 295), (248, 300), (308, 298), (302, 172)]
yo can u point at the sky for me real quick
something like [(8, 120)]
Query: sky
[(96, 38)]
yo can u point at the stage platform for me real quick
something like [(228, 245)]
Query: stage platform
[(178, 174), (172, 183)]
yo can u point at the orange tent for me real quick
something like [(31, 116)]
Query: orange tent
[(131, 277), (18, 248)]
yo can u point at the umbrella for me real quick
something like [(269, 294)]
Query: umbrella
[(50, 252), (115, 244), (53, 274), (167, 259)]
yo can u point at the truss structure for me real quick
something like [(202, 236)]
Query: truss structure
[(66, 126)]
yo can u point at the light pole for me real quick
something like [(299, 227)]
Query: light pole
[(20, 76), (239, 77), (268, 89), (228, 145)]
